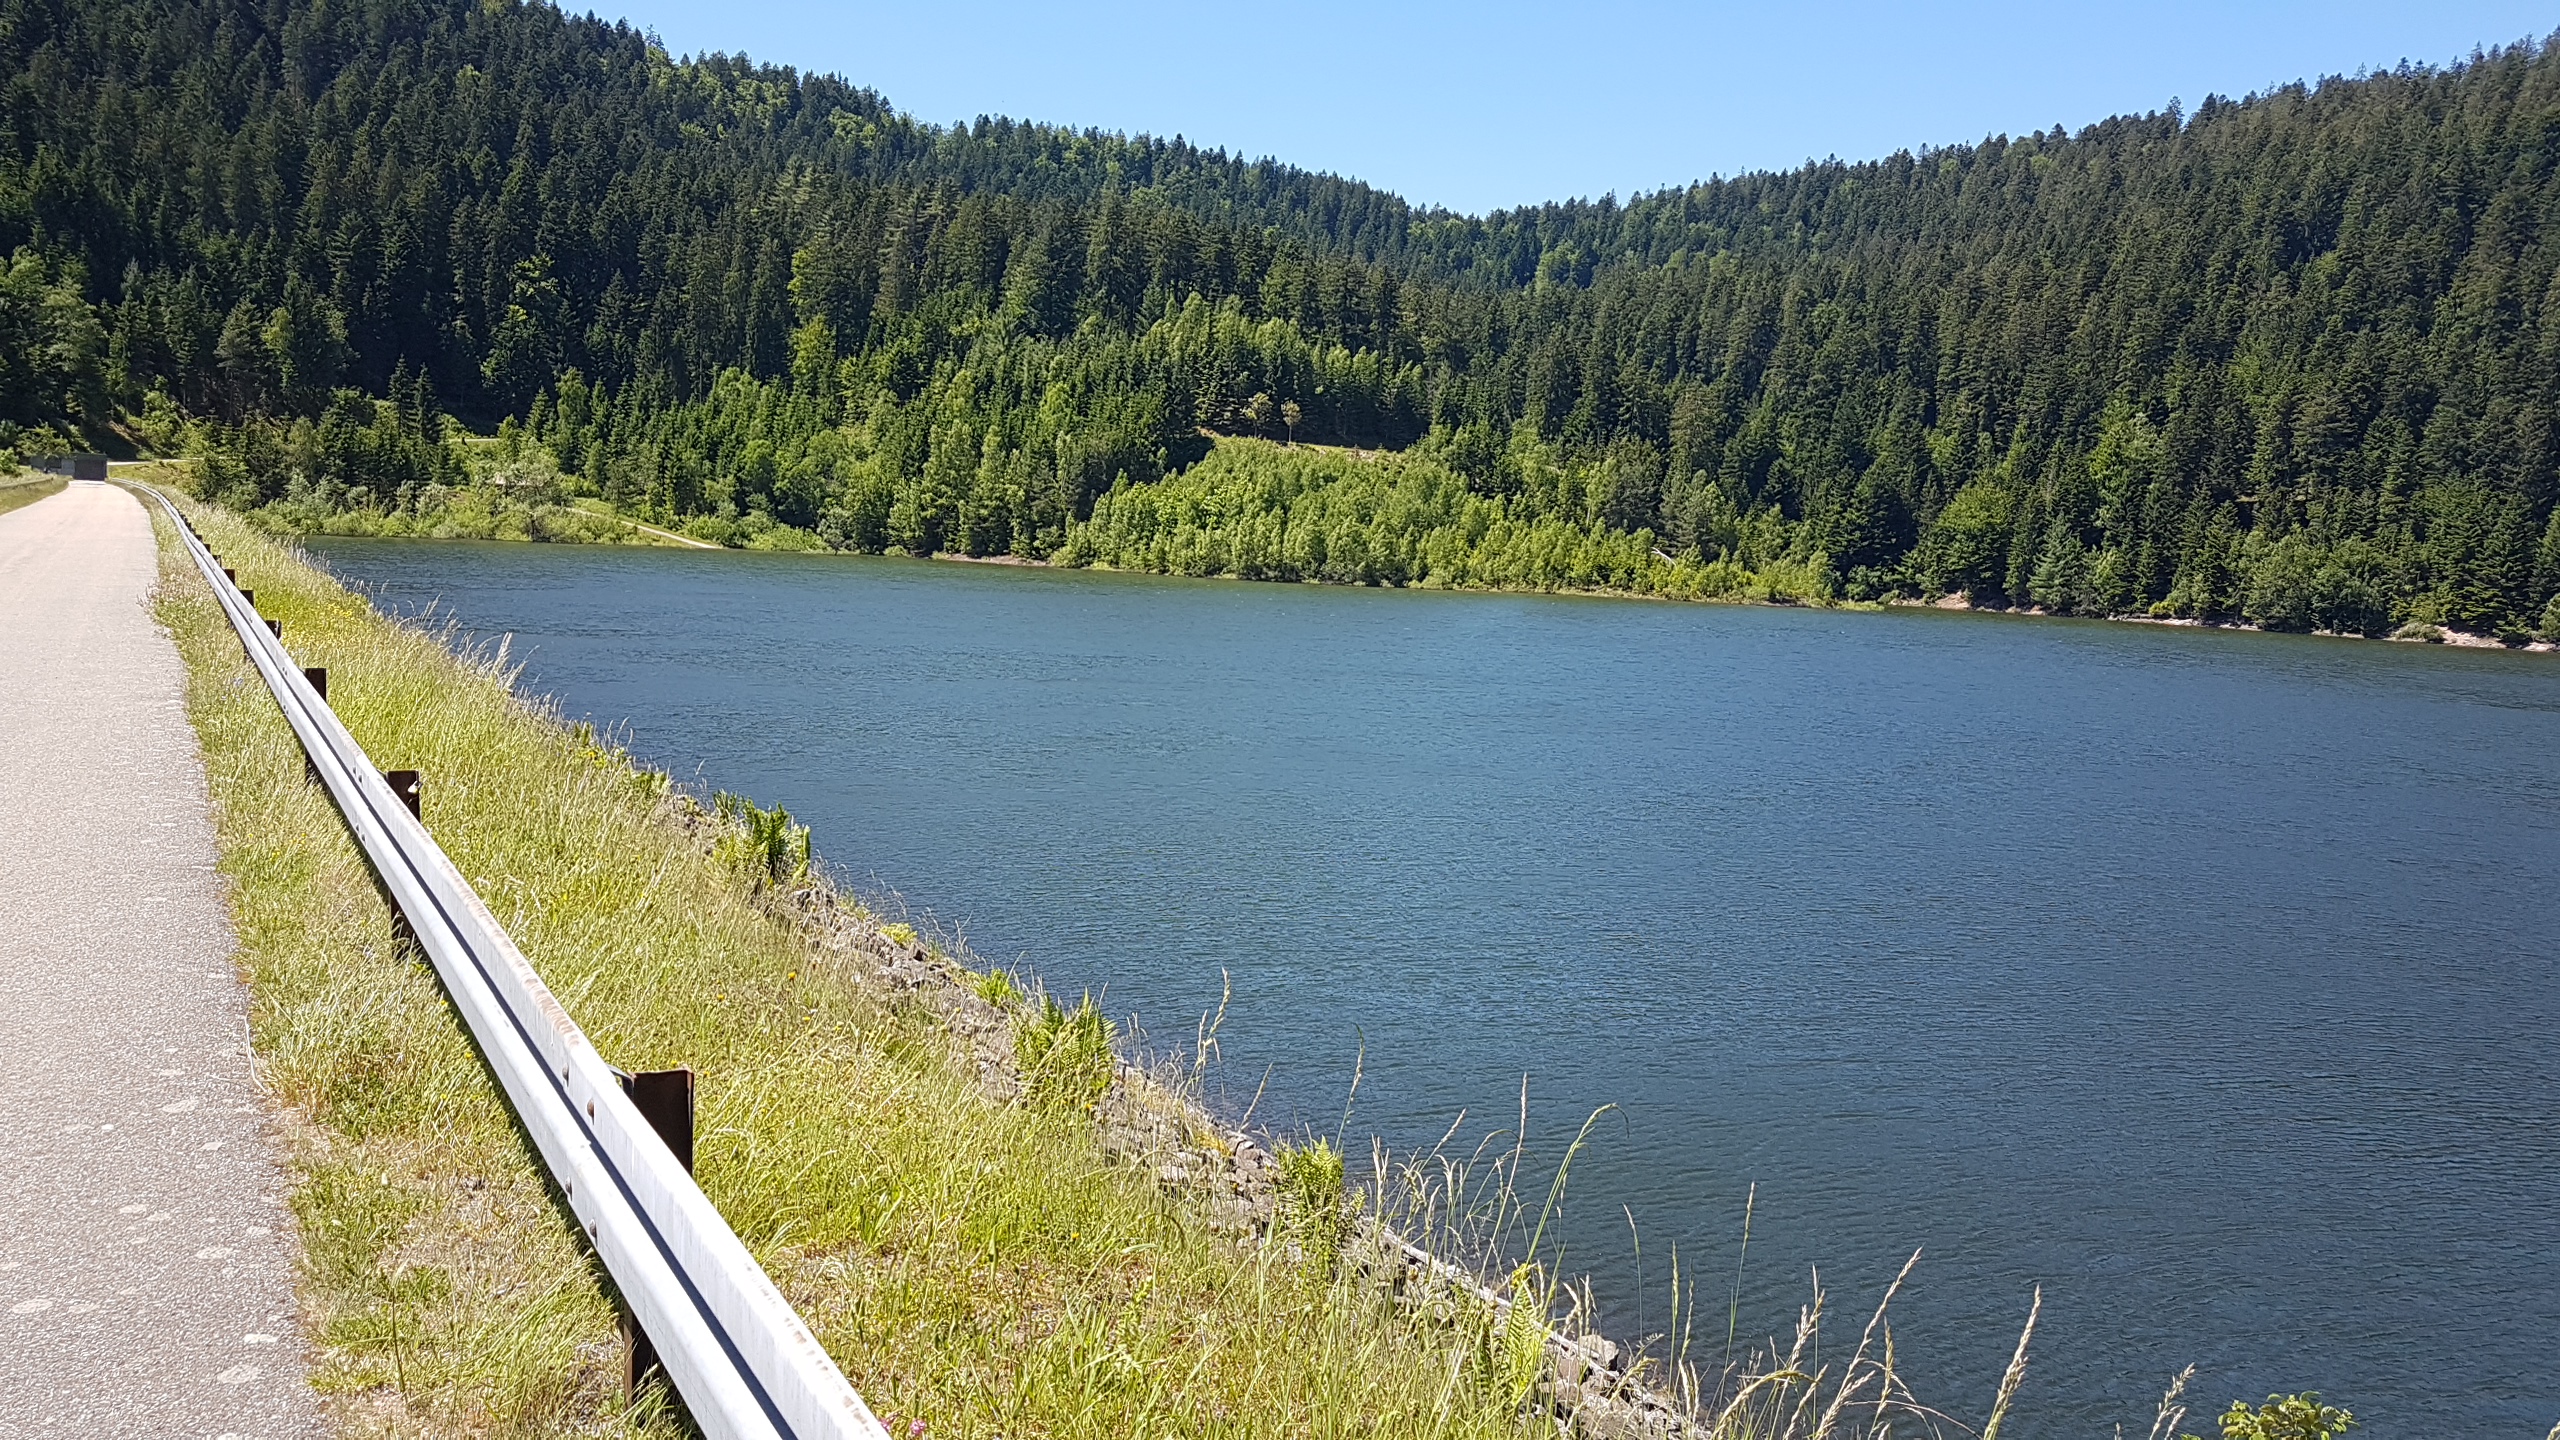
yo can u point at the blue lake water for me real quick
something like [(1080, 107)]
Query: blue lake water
[(2206, 980)]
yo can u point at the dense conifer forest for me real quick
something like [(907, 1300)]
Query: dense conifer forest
[(2293, 360)]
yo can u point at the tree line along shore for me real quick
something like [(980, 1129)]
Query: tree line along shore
[(1263, 510)]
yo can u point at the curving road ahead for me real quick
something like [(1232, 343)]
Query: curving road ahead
[(146, 1256)]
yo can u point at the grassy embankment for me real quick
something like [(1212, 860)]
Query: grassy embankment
[(23, 489), (974, 1264)]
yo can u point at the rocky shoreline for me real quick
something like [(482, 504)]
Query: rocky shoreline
[(1148, 1120), (2414, 633)]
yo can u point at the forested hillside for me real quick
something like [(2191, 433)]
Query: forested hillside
[(2293, 359)]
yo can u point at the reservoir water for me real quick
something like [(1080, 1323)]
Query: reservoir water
[(2206, 980)]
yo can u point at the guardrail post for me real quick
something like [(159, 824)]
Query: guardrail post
[(230, 574), (664, 1099), (275, 628), (318, 678), (406, 784)]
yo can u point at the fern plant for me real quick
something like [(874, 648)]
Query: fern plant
[(765, 844), (995, 987), (1313, 1213), (2284, 1417), (1520, 1346), (1065, 1055)]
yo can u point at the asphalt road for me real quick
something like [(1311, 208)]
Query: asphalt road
[(146, 1256)]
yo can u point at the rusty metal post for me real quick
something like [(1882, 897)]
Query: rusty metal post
[(276, 628), (230, 574), (665, 1100), (318, 676), (250, 596), (406, 784)]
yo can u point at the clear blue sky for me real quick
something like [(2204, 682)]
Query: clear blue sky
[(1481, 105)]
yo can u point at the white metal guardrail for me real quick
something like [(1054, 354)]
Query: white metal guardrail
[(741, 1358)]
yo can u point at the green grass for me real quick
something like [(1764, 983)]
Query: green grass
[(974, 1264), (24, 489)]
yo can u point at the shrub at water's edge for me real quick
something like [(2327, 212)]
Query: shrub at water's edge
[(1260, 510), (2283, 1417)]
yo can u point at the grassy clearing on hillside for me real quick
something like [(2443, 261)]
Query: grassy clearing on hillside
[(1259, 511), (974, 1265)]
